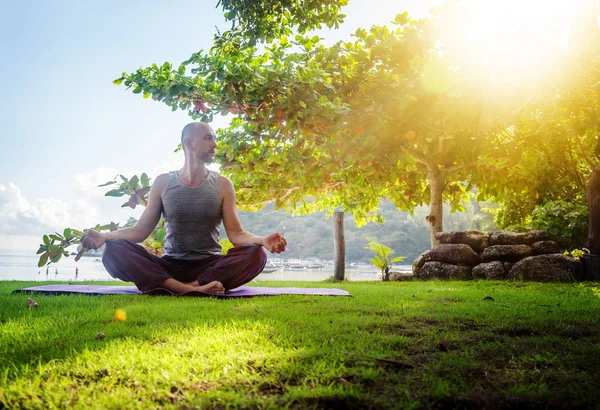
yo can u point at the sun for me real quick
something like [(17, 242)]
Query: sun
[(514, 41)]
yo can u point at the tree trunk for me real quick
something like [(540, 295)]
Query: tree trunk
[(435, 217), (339, 246), (593, 200), (476, 215)]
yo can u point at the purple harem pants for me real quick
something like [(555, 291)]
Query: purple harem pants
[(130, 262)]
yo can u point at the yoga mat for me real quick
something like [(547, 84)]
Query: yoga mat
[(242, 291)]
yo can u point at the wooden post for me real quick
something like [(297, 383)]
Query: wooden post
[(339, 246)]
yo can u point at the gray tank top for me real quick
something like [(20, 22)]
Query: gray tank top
[(192, 218)]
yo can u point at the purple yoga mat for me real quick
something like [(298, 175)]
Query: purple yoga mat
[(242, 291)]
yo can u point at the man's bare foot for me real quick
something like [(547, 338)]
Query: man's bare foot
[(214, 288)]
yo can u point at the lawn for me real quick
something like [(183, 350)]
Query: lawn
[(413, 345)]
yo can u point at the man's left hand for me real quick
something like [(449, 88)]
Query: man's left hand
[(275, 243)]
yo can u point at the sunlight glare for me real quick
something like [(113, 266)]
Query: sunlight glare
[(513, 40)]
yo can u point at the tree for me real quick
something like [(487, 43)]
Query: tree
[(543, 159), (384, 116)]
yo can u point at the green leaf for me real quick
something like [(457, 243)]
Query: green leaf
[(42, 250), (46, 240), (134, 182), (115, 192), (67, 233), (43, 260), (118, 81), (107, 183), (145, 180), (57, 257), (57, 237)]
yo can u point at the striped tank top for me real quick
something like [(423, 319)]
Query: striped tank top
[(192, 217)]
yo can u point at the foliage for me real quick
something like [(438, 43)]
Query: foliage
[(550, 150), (226, 245), (54, 246), (264, 21), (155, 243), (575, 253), (383, 258), (137, 188), (384, 116), (566, 222)]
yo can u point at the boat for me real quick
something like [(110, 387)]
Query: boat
[(270, 268), (315, 266), (293, 266)]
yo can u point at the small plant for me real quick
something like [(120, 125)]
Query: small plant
[(383, 258), (575, 253)]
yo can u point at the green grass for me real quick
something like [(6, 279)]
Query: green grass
[(392, 345)]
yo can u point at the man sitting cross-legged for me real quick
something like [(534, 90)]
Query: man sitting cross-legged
[(193, 202)]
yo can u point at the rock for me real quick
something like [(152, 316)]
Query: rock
[(401, 276), (458, 254), (490, 271), (517, 238), (508, 266), (545, 247), (506, 253), (440, 270), (547, 268), (475, 239), (419, 261)]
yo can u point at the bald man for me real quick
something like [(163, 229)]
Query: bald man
[(193, 202)]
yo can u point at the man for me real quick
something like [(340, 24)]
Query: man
[(193, 202)]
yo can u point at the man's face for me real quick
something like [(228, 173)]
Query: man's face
[(204, 144)]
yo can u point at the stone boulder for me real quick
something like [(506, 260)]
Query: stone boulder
[(547, 268), (419, 261), (455, 253), (401, 276), (490, 271), (440, 270), (475, 239), (517, 238), (506, 253), (545, 247)]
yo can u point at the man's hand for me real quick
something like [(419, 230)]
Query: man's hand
[(275, 243), (91, 239)]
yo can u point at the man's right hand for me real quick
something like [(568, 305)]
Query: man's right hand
[(91, 239)]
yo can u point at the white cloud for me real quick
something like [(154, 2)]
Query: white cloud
[(23, 219), (19, 216)]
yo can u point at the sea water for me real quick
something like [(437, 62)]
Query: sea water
[(22, 265)]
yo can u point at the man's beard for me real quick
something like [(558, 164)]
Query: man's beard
[(207, 158)]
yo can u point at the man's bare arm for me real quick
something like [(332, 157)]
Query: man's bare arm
[(274, 242), (144, 226)]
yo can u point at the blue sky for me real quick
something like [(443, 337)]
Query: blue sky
[(66, 128)]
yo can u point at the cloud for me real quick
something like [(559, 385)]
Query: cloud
[(19, 216), (22, 219)]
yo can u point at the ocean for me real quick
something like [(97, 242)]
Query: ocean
[(22, 265)]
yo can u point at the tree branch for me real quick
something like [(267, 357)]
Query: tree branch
[(419, 157)]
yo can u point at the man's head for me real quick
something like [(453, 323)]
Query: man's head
[(198, 139)]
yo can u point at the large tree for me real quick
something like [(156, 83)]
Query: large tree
[(549, 151), (387, 115)]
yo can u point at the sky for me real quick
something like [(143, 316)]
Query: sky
[(65, 128)]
